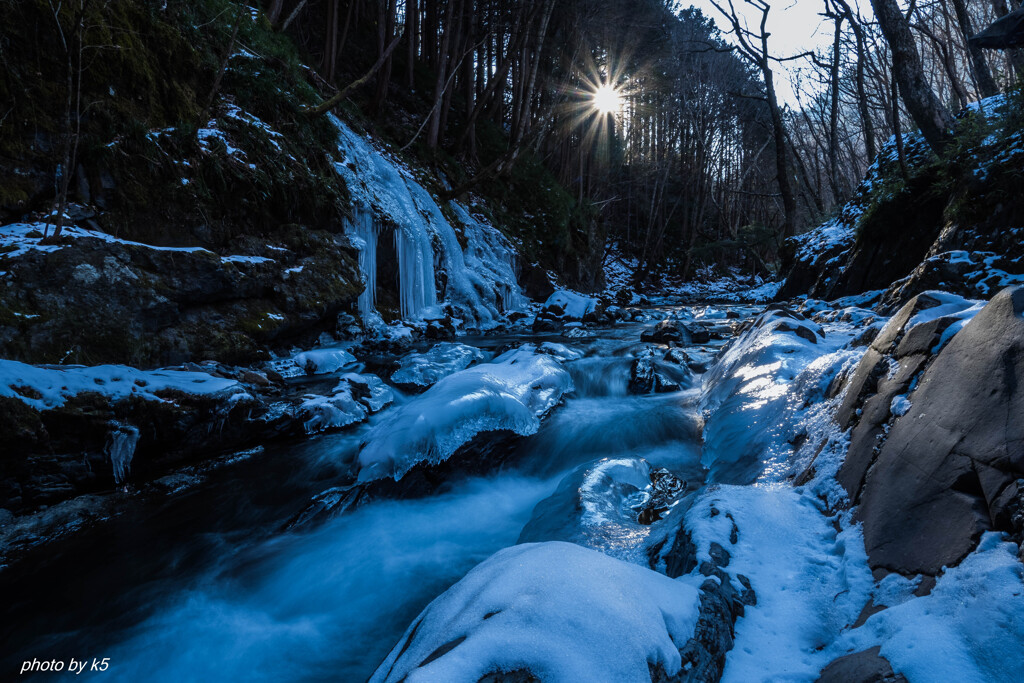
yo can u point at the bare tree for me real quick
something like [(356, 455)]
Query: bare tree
[(928, 113)]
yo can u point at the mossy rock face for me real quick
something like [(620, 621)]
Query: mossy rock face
[(97, 302), (154, 170)]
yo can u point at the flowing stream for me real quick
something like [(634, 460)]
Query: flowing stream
[(206, 584)]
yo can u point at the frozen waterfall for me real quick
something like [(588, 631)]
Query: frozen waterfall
[(480, 282)]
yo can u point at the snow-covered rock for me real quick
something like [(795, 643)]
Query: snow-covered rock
[(418, 371), (510, 393), (556, 611), (567, 305), (43, 387)]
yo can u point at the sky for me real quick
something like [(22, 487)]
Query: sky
[(795, 25)]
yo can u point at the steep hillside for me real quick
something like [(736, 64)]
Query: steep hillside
[(953, 222)]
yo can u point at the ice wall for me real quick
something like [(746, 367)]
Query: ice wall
[(481, 280)]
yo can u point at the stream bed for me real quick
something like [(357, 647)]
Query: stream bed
[(210, 584)]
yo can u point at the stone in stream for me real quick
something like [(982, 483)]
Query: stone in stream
[(867, 666), (650, 375), (673, 331)]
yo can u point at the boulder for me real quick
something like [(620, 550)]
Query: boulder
[(675, 332), (867, 666), (650, 375), (950, 466), (93, 299)]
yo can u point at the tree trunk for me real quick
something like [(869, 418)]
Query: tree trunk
[(927, 111), (982, 74)]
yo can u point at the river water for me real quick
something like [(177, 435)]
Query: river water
[(208, 585)]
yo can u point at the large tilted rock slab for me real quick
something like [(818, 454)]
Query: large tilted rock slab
[(952, 464)]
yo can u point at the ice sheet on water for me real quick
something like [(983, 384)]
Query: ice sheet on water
[(596, 506), (426, 369), (563, 612), (353, 399), (510, 393)]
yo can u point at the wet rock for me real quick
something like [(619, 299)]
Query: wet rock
[(674, 331), (650, 375), (664, 490), (867, 666)]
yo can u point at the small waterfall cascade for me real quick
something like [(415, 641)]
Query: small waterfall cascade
[(120, 448), (481, 281)]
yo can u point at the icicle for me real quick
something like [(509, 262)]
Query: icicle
[(365, 230), (120, 447)]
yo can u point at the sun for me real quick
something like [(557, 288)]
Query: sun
[(606, 100)]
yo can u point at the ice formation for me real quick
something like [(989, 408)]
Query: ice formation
[(511, 393), (120, 448), (421, 370), (479, 281)]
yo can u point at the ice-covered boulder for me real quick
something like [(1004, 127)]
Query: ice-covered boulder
[(567, 305), (323, 361), (748, 389), (418, 371), (549, 611), (511, 394), (353, 399)]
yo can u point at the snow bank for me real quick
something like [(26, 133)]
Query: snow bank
[(511, 393), (564, 613), (481, 281), (422, 370), (969, 628), (20, 238), (811, 582), (44, 387)]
